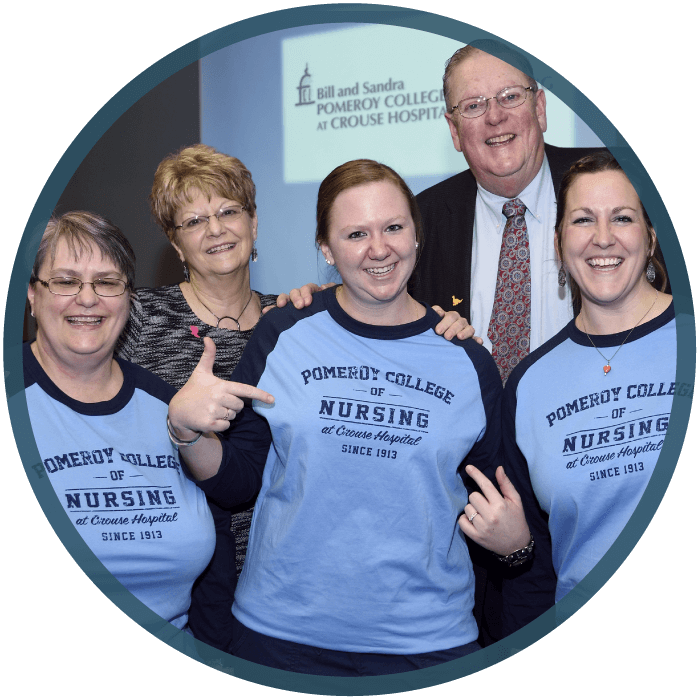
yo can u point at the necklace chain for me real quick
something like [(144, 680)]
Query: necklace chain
[(220, 319), (607, 367)]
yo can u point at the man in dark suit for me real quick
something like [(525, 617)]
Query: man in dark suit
[(508, 158), (463, 221)]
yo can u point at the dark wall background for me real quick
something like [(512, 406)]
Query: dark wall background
[(115, 179)]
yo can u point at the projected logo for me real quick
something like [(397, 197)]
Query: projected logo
[(335, 110), (351, 104), (304, 89)]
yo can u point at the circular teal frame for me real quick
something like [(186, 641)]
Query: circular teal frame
[(14, 383)]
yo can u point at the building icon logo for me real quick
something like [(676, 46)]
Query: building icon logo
[(304, 89)]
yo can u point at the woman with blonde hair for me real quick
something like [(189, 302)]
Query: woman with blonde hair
[(204, 201)]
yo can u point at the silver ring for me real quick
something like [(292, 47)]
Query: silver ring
[(474, 516), (228, 410)]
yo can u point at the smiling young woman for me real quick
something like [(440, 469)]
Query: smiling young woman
[(606, 242), (204, 201), (372, 242), (363, 505), (581, 445)]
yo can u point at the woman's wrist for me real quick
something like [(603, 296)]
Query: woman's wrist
[(181, 436), (520, 555)]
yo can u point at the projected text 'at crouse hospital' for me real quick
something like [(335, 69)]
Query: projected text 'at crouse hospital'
[(375, 104)]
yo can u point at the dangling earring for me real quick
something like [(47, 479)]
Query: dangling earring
[(254, 254), (561, 277), (416, 245), (31, 312), (651, 272), (186, 270)]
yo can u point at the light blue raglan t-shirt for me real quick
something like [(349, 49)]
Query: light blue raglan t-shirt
[(120, 481), (580, 447), (355, 544)]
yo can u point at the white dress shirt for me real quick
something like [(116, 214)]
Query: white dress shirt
[(551, 306)]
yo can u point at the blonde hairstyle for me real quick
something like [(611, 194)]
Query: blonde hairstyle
[(353, 174), (200, 168), (81, 230), (598, 162)]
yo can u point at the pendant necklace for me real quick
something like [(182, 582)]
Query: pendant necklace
[(607, 367), (219, 320)]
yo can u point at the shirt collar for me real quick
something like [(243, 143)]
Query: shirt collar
[(533, 196)]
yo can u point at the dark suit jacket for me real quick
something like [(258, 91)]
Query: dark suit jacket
[(447, 210)]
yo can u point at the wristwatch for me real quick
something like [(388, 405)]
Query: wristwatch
[(519, 556)]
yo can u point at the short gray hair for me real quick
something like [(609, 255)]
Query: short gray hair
[(82, 229)]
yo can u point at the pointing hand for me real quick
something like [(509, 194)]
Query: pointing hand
[(207, 403)]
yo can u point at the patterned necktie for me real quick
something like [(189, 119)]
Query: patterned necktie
[(509, 328)]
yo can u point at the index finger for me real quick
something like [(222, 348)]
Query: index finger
[(484, 483), (246, 391)]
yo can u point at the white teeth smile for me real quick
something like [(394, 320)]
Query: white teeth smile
[(380, 270), (84, 320), (604, 263), (219, 248), (497, 140)]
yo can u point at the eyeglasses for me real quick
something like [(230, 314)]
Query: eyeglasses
[(71, 286), (226, 215), (508, 98)]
